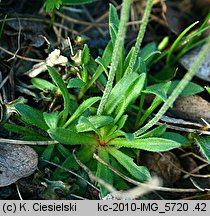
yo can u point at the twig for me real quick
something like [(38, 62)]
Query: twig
[(166, 189), (20, 57), (97, 20), (137, 191), (23, 142), (46, 21), (76, 21), (18, 42), (93, 177), (92, 20), (129, 194), (189, 130), (197, 175), (78, 197), (70, 46), (4, 81), (198, 197), (157, 19), (191, 173), (72, 9), (95, 156), (195, 155)]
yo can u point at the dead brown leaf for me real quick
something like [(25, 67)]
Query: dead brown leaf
[(165, 166)]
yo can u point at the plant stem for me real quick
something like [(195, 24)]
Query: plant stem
[(179, 88), (116, 53), (140, 37)]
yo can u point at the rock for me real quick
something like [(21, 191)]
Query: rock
[(16, 161), (192, 108), (204, 71)]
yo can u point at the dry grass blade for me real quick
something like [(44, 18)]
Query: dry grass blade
[(41, 20), (76, 21), (93, 177), (137, 191), (20, 57), (158, 188), (18, 191), (22, 142), (194, 155), (122, 195)]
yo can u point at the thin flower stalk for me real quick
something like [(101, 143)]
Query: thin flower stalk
[(140, 37), (115, 56)]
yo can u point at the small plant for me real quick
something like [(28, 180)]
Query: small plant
[(104, 125)]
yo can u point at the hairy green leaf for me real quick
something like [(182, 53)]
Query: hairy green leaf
[(128, 58), (75, 83), (190, 89), (121, 121), (132, 93), (153, 144), (139, 172), (113, 22), (166, 74), (96, 121), (99, 60), (119, 183), (159, 89), (106, 58), (118, 92), (140, 66), (52, 4), (67, 136), (134, 90), (21, 130), (147, 50), (63, 150), (175, 137), (31, 115), (51, 119), (85, 55), (156, 132), (81, 109), (103, 172), (204, 144), (83, 120), (43, 85)]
